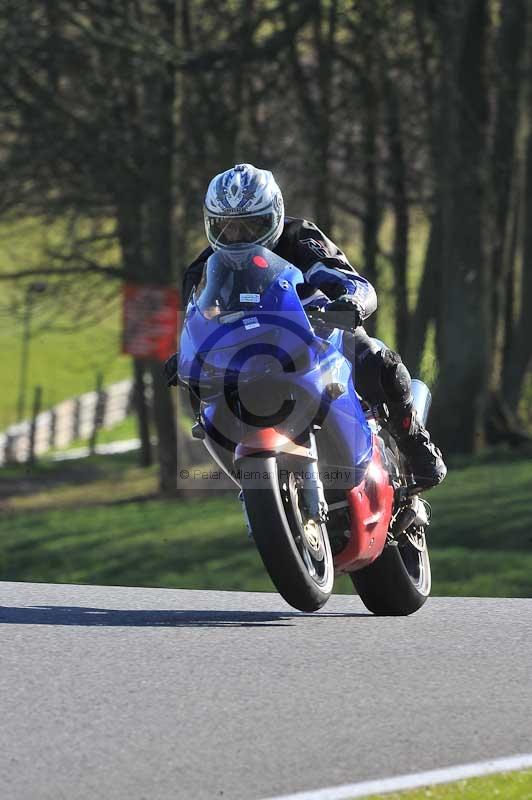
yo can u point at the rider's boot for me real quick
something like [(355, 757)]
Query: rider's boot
[(413, 440)]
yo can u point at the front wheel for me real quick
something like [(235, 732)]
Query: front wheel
[(399, 580), (294, 549)]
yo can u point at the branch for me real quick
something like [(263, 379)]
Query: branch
[(349, 208), (36, 272)]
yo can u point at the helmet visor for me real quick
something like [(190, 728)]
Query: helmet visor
[(231, 231)]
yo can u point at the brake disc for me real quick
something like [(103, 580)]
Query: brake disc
[(311, 533)]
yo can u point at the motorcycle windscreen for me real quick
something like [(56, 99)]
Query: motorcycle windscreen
[(235, 279)]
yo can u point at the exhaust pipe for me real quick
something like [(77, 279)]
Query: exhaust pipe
[(417, 514)]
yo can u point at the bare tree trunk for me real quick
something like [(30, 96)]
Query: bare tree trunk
[(141, 408), (164, 419), (463, 320), (510, 304), (430, 287), (316, 105), (158, 216), (510, 50), (425, 311), (372, 212), (324, 34), (519, 358), (401, 213)]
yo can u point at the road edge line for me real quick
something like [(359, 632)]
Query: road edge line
[(350, 791)]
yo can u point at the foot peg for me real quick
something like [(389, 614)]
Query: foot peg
[(197, 431)]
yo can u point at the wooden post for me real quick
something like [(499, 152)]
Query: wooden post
[(9, 456), (37, 397), (4, 458), (52, 428), (98, 413), (76, 419)]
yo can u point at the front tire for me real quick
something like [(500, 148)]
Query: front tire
[(399, 580), (300, 564)]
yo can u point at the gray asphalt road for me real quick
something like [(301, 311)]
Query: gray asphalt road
[(148, 693)]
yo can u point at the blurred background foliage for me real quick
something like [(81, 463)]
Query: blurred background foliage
[(403, 128)]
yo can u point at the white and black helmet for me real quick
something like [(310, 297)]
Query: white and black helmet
[(243, 206)]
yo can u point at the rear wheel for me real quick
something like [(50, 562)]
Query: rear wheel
[(295, 549), (398, 582)]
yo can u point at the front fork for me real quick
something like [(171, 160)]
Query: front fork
[(245, 513), (313, 491)]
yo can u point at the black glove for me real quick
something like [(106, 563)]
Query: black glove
[(348, 309), (170, 370)]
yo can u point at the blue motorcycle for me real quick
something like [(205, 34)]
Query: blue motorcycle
[(324, 488)]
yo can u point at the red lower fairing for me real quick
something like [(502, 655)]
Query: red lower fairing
[(370, 510)]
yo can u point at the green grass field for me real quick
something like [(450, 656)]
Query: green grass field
[(99, 520), (75, 327), (507, 786)]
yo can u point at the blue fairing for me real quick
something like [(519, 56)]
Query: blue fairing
[(246, 309)]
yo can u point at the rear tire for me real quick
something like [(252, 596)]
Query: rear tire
[(303, 576), (398, 582)]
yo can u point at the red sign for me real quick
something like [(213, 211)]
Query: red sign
[(150, 318)]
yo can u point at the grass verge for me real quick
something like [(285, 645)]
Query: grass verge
[(75, 324), (506, 786), (99, 520)]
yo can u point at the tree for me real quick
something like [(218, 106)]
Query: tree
[(88, 93), (518, 362), (115, 116), (463, 313)]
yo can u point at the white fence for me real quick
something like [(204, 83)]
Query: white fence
[(72, 419)]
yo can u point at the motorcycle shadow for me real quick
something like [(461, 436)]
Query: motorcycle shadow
[(105, 617)]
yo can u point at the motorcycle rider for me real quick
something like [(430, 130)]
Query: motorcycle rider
[(244, 205)]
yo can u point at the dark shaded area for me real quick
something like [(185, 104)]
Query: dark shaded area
[(375, 117), (102, 617), (25, 479)]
